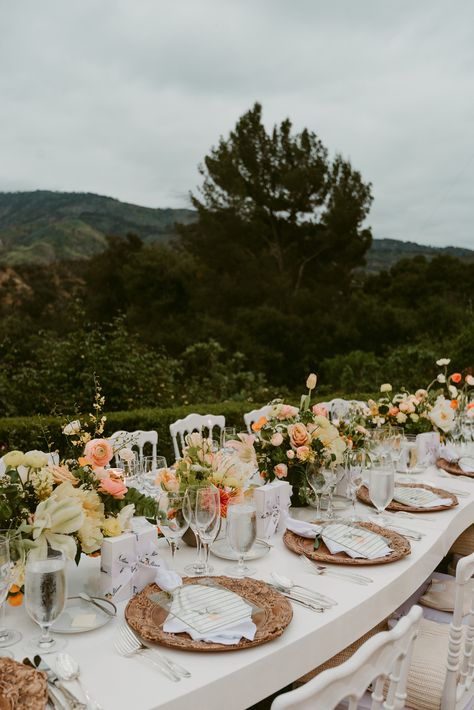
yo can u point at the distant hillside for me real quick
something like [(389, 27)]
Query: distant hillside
[(44, 226)]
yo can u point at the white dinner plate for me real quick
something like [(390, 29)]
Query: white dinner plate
[(221, 548), (79, 616)]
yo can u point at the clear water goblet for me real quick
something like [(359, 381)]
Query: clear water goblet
[(381, 487), (241, 532), (8, 637), (45, 595), (317, 483), (171, 519), (208, 519), (189, 512), (354, 461)]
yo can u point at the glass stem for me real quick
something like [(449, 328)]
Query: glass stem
[(3, 630), (318, 506), (45, 638), (241, 566), (353, 499), (206, 557), (330, 511)]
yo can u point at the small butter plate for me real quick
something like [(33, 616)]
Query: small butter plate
[(80, 615), (221, 548)]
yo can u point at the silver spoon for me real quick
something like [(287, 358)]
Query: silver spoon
[(87, 598), (68, 669), (289, 585)]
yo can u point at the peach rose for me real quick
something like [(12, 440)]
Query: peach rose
[(281, 470), (456, 377), (276, 439), (302, 453), (61, 474), (298, 435), (406, 407), (285, 411), (167, 479), (319, 410), (113, 487), (393, 411), (98, 452)]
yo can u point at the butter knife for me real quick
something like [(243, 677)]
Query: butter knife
[(54, 679)]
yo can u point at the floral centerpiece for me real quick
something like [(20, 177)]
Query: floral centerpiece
[(290, 438), (431, 409), (71, 506), (202, 465)]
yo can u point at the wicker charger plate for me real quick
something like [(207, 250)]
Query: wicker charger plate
[(21, 686), (146, 618), (304, 546), (364, 497), (454, 468)]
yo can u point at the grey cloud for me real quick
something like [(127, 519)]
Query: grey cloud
[(125, 97)]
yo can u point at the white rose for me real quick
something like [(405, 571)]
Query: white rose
[(387, 387), (453, 391), (126, 454), (441, 379), (72, 428), (470, 380), (443, 361), (14, 459), (442, 415), (35, 459)]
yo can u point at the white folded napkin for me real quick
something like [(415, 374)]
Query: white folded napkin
[(309, 530), (466, 464), (166, 578)]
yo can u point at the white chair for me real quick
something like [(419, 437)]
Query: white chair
[(382, 661), (134, 440), (254, 416), (193, 422)]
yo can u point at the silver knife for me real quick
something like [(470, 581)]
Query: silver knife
[(53, 695), (54, 679)]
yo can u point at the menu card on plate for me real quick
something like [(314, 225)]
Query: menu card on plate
[(362, 542), (205, 608), (418, 497)]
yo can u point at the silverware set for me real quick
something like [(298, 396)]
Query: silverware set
[(60, 697), (128, 644), (316, 568)]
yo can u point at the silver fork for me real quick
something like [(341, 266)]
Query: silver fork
[(322, 569), (126, 648), (175, 667)]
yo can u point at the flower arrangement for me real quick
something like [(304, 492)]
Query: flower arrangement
[(201, 465), (430, 409), (292, 437), (71, 506)]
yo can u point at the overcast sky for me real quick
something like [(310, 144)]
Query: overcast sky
[(125, 97)]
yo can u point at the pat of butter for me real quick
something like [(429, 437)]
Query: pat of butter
[(83, 621), (437, 587)]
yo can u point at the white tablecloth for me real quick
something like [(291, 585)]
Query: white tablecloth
[(236, 680)]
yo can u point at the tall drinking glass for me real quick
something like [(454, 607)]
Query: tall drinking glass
[(241, 534), (189, 512), (208, 519), (354, 461), (317, 483), (228, 433), (17, 563), (172, 522), (396, 442), (381, 487), (45, 595)]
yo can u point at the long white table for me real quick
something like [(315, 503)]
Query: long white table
[(236, 680)]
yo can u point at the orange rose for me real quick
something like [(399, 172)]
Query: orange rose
[(256, 426), (98, 452), (454, 404), (298, 435), (456, 377)]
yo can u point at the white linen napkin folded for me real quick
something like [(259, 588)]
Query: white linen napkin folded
[(310, 530), (229, 635)]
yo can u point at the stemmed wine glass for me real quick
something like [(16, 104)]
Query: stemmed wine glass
[(189, 512), (208, 519), (317, 483), (354, 461), (45, 595), (241, 533), (379, 443), (228, 433), (396, 442), (174, 524), (381, 486), (332, 476), (16, 561)]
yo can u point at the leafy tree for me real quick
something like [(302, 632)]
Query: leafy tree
[(275, 211)]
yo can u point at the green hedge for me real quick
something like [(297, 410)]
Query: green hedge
[(41, 432)]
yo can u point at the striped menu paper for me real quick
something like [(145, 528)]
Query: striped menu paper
[(364, 543), (205, 608), (416, 497)]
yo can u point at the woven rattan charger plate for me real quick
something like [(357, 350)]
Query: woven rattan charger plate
[(304, 546), (364, 497), (454, 468), (147, 618)]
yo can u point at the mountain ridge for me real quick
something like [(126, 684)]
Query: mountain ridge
[(43, 226)]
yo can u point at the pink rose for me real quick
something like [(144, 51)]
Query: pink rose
[(281, 470), (302, 453), (393, 411), (290, 454), (298, 435), (276, 439), (286, 411), (167, 479), (320, 410), (98, 452), (113, 487), (406, 407)]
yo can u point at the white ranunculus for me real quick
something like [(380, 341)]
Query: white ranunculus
[(126, 454), (442, 415), (443, 361), (14, 459), (441, 379), (387, 387), (35, 459), (470, 380), (72, 428)]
